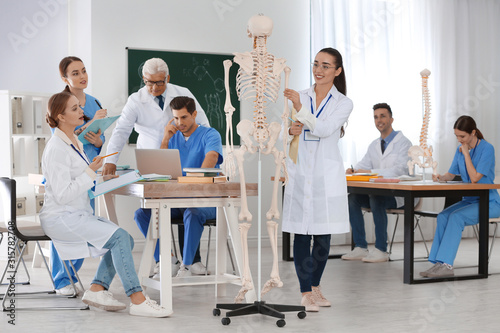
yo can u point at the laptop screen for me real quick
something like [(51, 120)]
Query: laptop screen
[(159, 161)]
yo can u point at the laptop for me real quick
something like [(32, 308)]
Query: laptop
[(159, 161)]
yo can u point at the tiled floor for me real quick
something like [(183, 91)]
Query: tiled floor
[(365, 298)]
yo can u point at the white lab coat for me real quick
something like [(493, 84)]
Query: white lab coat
[(143, 113), (394, 161), (315, 201), (67, 217)]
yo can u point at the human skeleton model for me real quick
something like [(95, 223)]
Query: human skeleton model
[(423, 151), (258, 78)]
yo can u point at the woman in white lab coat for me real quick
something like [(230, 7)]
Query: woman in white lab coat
[(315, 201), (68, 219)]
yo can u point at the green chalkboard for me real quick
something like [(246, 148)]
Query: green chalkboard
[(201, 73)]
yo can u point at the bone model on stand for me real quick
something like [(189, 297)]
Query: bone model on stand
[(259, 79), (422, 155)]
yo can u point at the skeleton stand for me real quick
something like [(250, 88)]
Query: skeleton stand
[(259, 306)]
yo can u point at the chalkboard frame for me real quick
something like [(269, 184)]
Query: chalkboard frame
[(192, 70)]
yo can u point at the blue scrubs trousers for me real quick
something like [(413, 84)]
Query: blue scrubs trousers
[(59, 274), (193, 219), (450, 224)]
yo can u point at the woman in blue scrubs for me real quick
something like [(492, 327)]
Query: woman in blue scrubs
[(474, 161), (74, 74)]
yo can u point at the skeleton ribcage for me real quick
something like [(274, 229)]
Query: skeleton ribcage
[(261, 85)]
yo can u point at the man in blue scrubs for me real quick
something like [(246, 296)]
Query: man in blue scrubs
[(198, 146)]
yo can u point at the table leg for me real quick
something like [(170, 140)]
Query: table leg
[(221, 249), (165, 256), (483, 233), (409, 238)]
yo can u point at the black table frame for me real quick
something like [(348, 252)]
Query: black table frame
[(409, 199)]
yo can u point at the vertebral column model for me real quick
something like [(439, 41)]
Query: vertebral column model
[(259, 79), (422, 155)]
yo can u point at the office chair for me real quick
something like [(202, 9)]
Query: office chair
[(25, 232)]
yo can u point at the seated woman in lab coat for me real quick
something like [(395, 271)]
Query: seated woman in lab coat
[(67, 217)]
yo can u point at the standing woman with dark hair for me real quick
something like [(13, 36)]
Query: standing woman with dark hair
[(315, 201), (474, 161), (68, 219), (74, 74)]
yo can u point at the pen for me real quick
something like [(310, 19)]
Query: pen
[(98, 104), (291, 119), (352, 168), (105, 156)]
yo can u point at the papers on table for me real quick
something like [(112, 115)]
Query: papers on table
[(156, 177), (113, 184)]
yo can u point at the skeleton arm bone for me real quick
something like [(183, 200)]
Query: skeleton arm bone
[(228, 109)]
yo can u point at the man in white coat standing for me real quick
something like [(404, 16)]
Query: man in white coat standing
[(387, 156), (148, 112)]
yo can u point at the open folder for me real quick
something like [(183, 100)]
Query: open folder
[(113, 184), (98, 124)]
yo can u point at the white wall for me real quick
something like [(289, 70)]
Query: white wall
[(198, 26)]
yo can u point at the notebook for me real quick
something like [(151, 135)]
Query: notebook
[(159, 161)]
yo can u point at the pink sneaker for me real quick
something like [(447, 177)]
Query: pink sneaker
[(309, 303), (319, 299)]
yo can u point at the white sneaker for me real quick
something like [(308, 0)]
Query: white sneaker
[(183, 271), (357, 253), (376, 256), (69, 291), (319, 299), (149, 308), (156, 270), (103, 300), (198, 269)]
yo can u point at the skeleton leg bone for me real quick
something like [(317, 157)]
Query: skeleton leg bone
[(246, 281), (275, 281)]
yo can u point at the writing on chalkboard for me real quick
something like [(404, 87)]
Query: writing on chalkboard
[(201, 73)]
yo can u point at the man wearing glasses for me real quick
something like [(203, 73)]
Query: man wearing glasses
[(148, 112)]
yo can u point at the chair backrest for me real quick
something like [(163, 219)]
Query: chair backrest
[(8, 199)]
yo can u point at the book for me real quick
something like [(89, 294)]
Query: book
[(360, 178), (157, 177), (202, 180), (201, 174), (101, 124), (202, 170), (385, 180), (113, 184)]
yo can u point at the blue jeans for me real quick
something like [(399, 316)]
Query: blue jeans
[(310, 265), (118, 260), (378, 206), (193, 219), (450, 224)]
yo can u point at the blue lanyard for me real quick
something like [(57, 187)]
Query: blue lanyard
[(320, 110), (85, 159)]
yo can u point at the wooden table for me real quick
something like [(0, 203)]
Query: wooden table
[(161, 197), (411, 190)]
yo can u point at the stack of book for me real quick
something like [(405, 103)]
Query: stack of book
[(202, 175)]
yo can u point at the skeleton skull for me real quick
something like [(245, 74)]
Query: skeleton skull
[(259, 26)]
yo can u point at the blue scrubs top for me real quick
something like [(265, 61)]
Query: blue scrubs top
[(193, 151), (483, 159), (89, 110)]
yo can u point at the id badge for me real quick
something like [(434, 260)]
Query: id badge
[(309, 137)]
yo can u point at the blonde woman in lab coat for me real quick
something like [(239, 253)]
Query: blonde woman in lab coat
[(315, 201), (67, 217)]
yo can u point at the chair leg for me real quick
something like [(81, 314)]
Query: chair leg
[(231, 257), (208, 249), (417, 225), (16, 246), (493, 241), (174, 246), (394, 233)]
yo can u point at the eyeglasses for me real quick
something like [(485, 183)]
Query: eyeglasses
[(152, 83), (324, 67)]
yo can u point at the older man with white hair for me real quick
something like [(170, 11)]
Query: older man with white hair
[(148, 112)]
